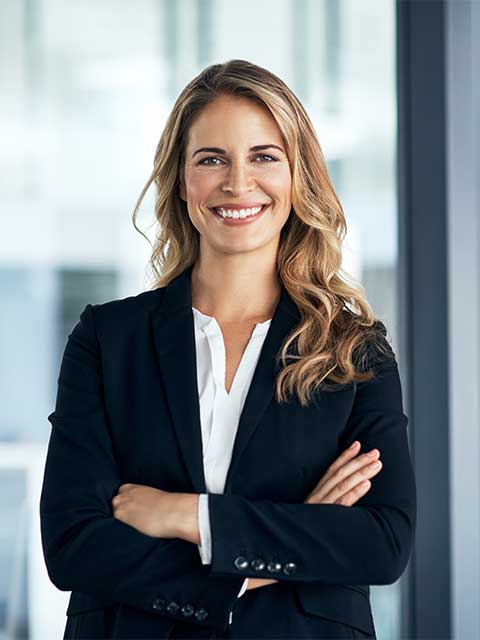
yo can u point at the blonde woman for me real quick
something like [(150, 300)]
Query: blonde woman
[(229, 455)]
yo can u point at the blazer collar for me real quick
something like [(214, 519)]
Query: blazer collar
[(174, 335)]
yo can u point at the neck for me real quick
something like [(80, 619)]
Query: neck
[(231, 293)]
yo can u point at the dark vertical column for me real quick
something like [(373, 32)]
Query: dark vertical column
[(422, 186), (463, 91)]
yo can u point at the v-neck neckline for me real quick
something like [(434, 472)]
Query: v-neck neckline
[(211, 327)]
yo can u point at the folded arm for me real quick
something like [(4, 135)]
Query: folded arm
[(369, 543), (85, 548)]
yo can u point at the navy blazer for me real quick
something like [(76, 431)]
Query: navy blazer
[(127, 410)]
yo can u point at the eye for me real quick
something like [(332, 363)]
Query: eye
[(267, 156), (206, 163)]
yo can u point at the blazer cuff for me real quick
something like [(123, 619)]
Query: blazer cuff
[(205, 546)]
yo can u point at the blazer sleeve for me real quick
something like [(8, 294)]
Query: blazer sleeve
[(85, 548), (367, 543), (205, 546)]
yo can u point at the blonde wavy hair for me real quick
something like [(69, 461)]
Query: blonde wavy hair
[(338, 337)]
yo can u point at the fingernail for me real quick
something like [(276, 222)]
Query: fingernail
[(354, 445), (373, 452)]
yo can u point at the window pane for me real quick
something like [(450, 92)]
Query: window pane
[(85, 90)]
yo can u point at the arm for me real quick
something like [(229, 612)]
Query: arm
[(85, 548), (369, 543)]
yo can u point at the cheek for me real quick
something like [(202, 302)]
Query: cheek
[(198, 189), (199, 185), (279, 183)]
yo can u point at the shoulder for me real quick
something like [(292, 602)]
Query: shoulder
[(130, 305), (374, 346), (120, 314)]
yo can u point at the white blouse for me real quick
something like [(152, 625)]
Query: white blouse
[(220, 411)]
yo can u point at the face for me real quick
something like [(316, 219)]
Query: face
[(222, 168)]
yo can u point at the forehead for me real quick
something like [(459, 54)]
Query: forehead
[(234, 121)]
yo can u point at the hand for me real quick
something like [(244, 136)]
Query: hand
[(149, 510), (254, 583), (346, 479), (345, 482)]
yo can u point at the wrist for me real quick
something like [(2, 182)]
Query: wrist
[(187, 517)]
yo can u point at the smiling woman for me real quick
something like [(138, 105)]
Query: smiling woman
[(204, 475), (259, 185)]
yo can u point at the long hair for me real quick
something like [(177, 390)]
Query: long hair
[(338, 332)]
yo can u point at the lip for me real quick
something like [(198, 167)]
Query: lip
[(240, 221), (239, 205)]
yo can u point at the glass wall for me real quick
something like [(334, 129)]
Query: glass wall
[(85, 90)]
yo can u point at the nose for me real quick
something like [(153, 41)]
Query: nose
[(239, 179)]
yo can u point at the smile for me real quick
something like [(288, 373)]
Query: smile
[(239, 217)]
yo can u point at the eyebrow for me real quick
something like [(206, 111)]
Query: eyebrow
[(259, 147)]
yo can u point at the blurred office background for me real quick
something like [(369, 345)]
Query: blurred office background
[(85, 88)]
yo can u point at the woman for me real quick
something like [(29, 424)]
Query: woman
[(204, 475)]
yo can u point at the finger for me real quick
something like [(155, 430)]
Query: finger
[(339, 488), (350, 467), (342, 459), (126, 487), (350, 482), (355, 494), (336, 472)]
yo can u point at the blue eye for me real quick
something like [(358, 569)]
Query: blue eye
[(205, 163)]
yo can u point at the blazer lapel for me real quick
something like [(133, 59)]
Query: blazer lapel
[(262, 387), (174, 335)]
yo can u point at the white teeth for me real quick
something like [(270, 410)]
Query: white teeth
[(238, 213)]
